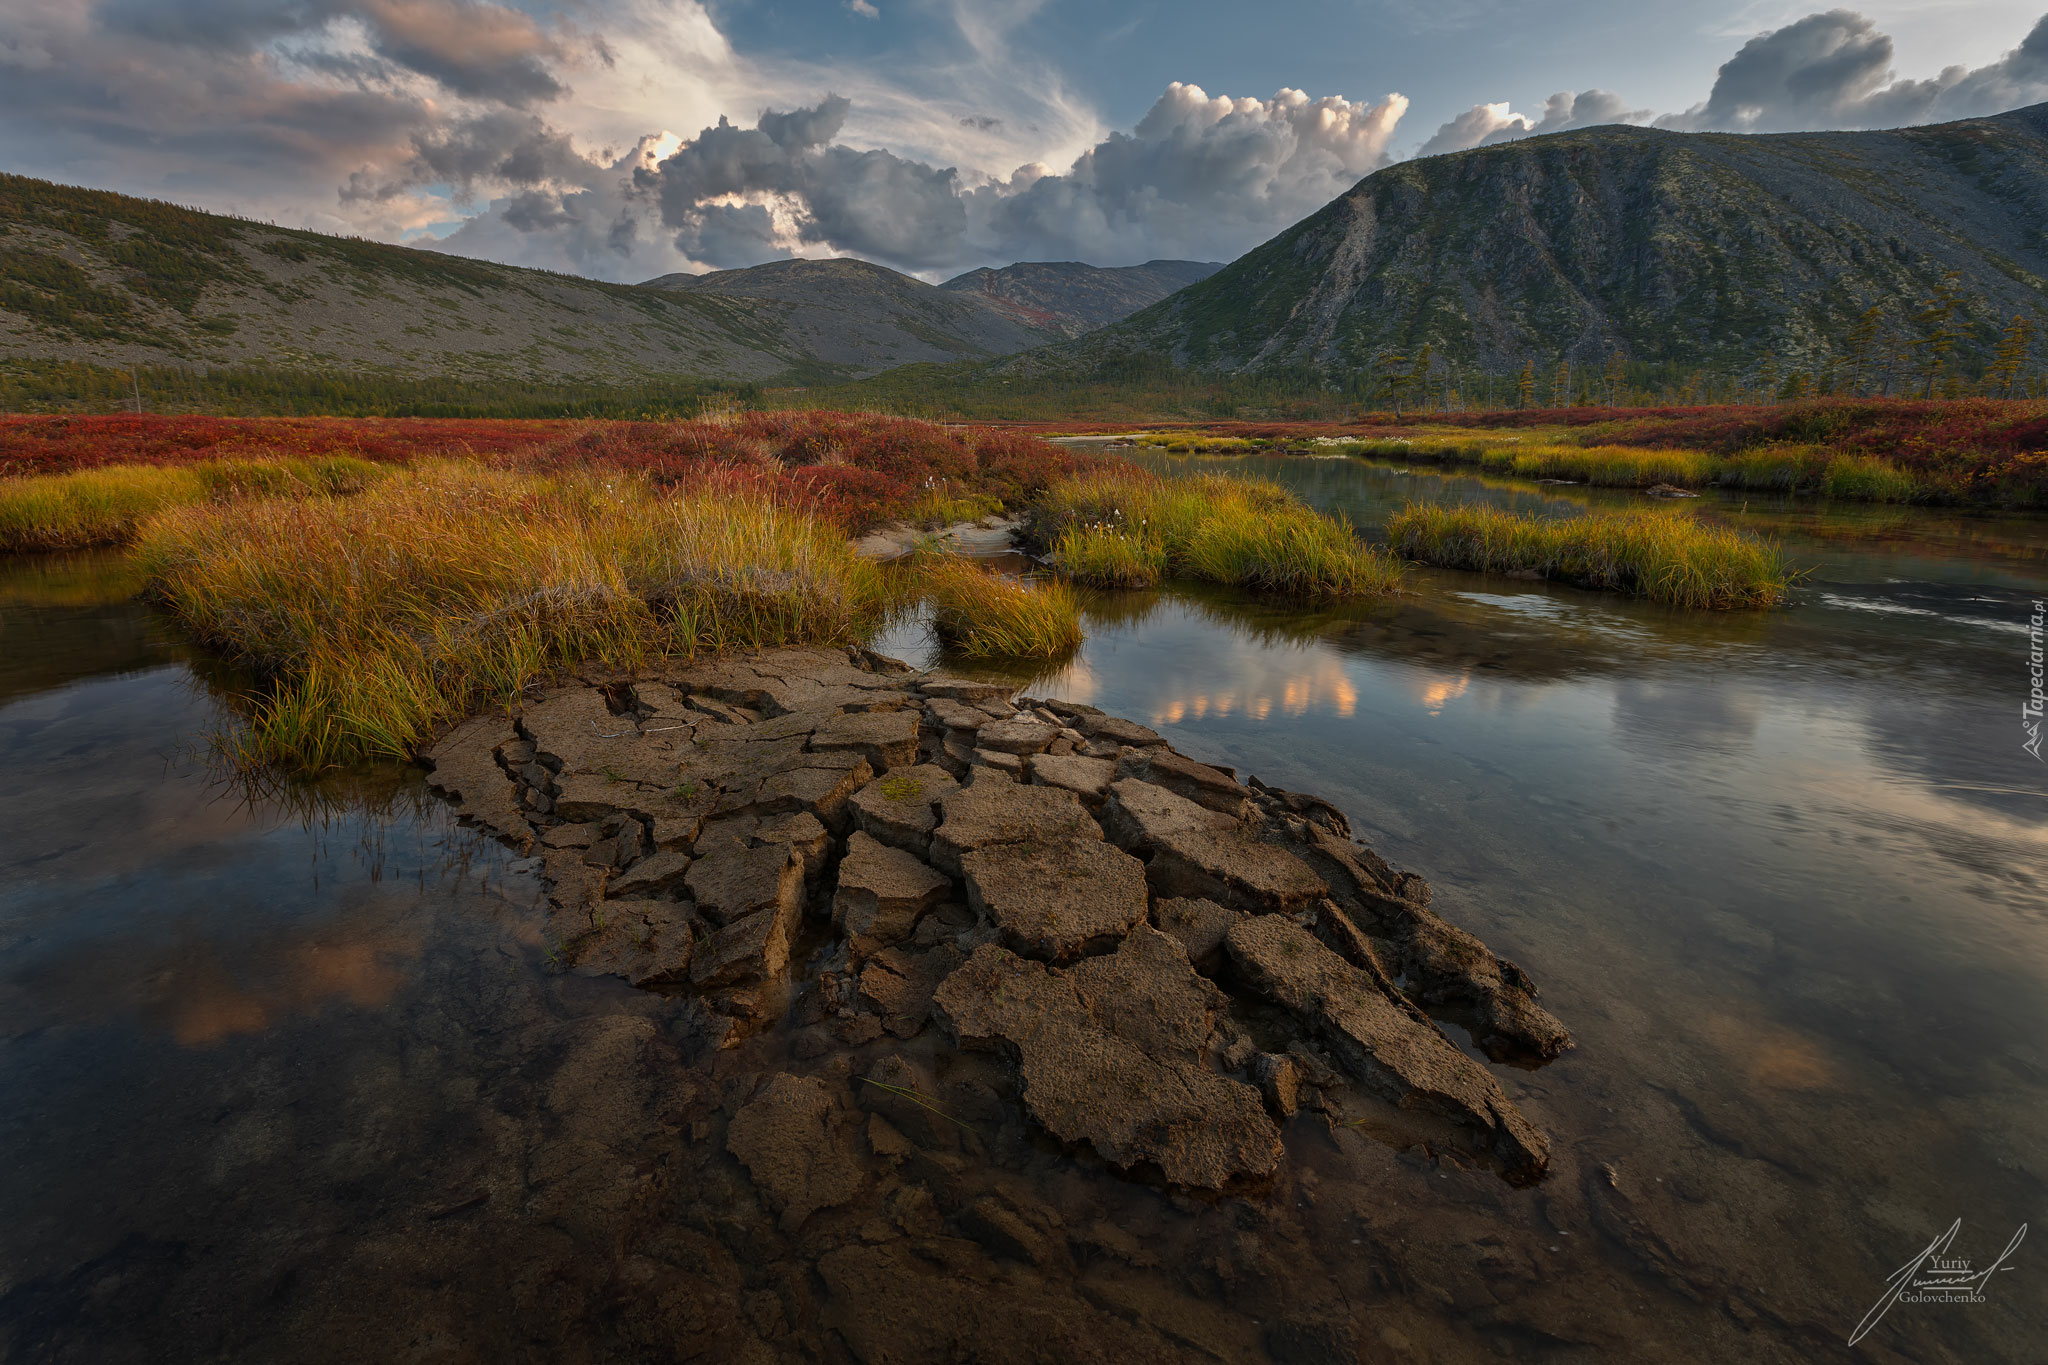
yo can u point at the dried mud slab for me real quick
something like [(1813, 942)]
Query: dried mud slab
[(1167, 963)]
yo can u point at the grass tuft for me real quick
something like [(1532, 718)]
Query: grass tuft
[(1666, 556), (984, 614), (106, 506), (1126, 528), (446, 587)]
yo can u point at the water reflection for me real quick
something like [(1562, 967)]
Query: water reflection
[(1780, 871)]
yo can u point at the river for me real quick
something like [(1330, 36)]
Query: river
[(270, 1053)]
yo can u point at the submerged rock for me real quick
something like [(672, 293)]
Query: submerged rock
[(1379, 1042), (799, 1148), (1158, 956), (1086, 1081)]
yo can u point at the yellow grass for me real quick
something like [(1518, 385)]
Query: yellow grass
[(1667, 556), (986, 614), (448, 586), (106, 506), (1124, 527)]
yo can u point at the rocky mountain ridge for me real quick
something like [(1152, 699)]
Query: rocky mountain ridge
[(1725, 252)]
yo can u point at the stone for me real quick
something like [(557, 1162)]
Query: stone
[(882, 893), (1279, 1080), (1378, 1042), (801, 832), (624, 846), (648, 942), (573, 836), (465, 769), (900, 808), (887, 739), (1199, 925), (748, 949), (1087, 778), (1116, 730), (575, 726), (1442, 964), (580, 797), (1003, 813), (729, 881), (954, 715), (1199, 852), (1198, 782), (1019, 736), (822, 785), (797, 1144), (1009, 765), (959, 689), (1148, 992), (651, 876), (1056, 901), (898, 985), (1084, 1083)]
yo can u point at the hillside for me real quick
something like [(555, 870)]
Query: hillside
[(1726, 253), (88, 275), (856, 317), (114, 281), (1070, 298)]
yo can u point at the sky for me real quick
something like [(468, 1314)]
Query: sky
[(625, 139)]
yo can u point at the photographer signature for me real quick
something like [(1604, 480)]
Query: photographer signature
[(1934, 1276)]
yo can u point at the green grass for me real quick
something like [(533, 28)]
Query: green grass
[(1868, 478), (1666, 556), (106, 506), (447, 587), (984, 614), (1121, 527), (1106, 557)]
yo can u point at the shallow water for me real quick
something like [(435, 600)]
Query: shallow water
[(287, 1075)]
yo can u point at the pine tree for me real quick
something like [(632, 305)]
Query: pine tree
[(2013, 344), (1939, 324), (1862, 342), (1525, 386)]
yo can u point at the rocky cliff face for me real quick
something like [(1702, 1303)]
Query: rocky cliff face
[(1069, 298), (1709, 250)]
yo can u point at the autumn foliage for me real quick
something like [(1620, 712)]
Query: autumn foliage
[(854, 469)]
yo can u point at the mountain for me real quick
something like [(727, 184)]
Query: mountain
[(859, 318), (1070, 298), (1723, 252), (87, 275)]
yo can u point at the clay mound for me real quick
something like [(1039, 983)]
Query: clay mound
[(1173, 962)]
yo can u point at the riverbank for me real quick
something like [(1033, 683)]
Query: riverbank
[(1967, 452)]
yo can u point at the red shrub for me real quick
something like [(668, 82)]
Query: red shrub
[(859, 469)]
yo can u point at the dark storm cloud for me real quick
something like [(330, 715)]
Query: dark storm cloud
[(499, 148)]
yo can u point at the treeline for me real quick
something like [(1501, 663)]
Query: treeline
[(266, 391)]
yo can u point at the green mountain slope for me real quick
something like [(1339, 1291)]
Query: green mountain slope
[(114, 281), (1727, 253), (92, 276)]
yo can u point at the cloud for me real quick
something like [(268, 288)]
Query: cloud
[(1834, 70), (1485, 124), (1199, 176), (863, 9)]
